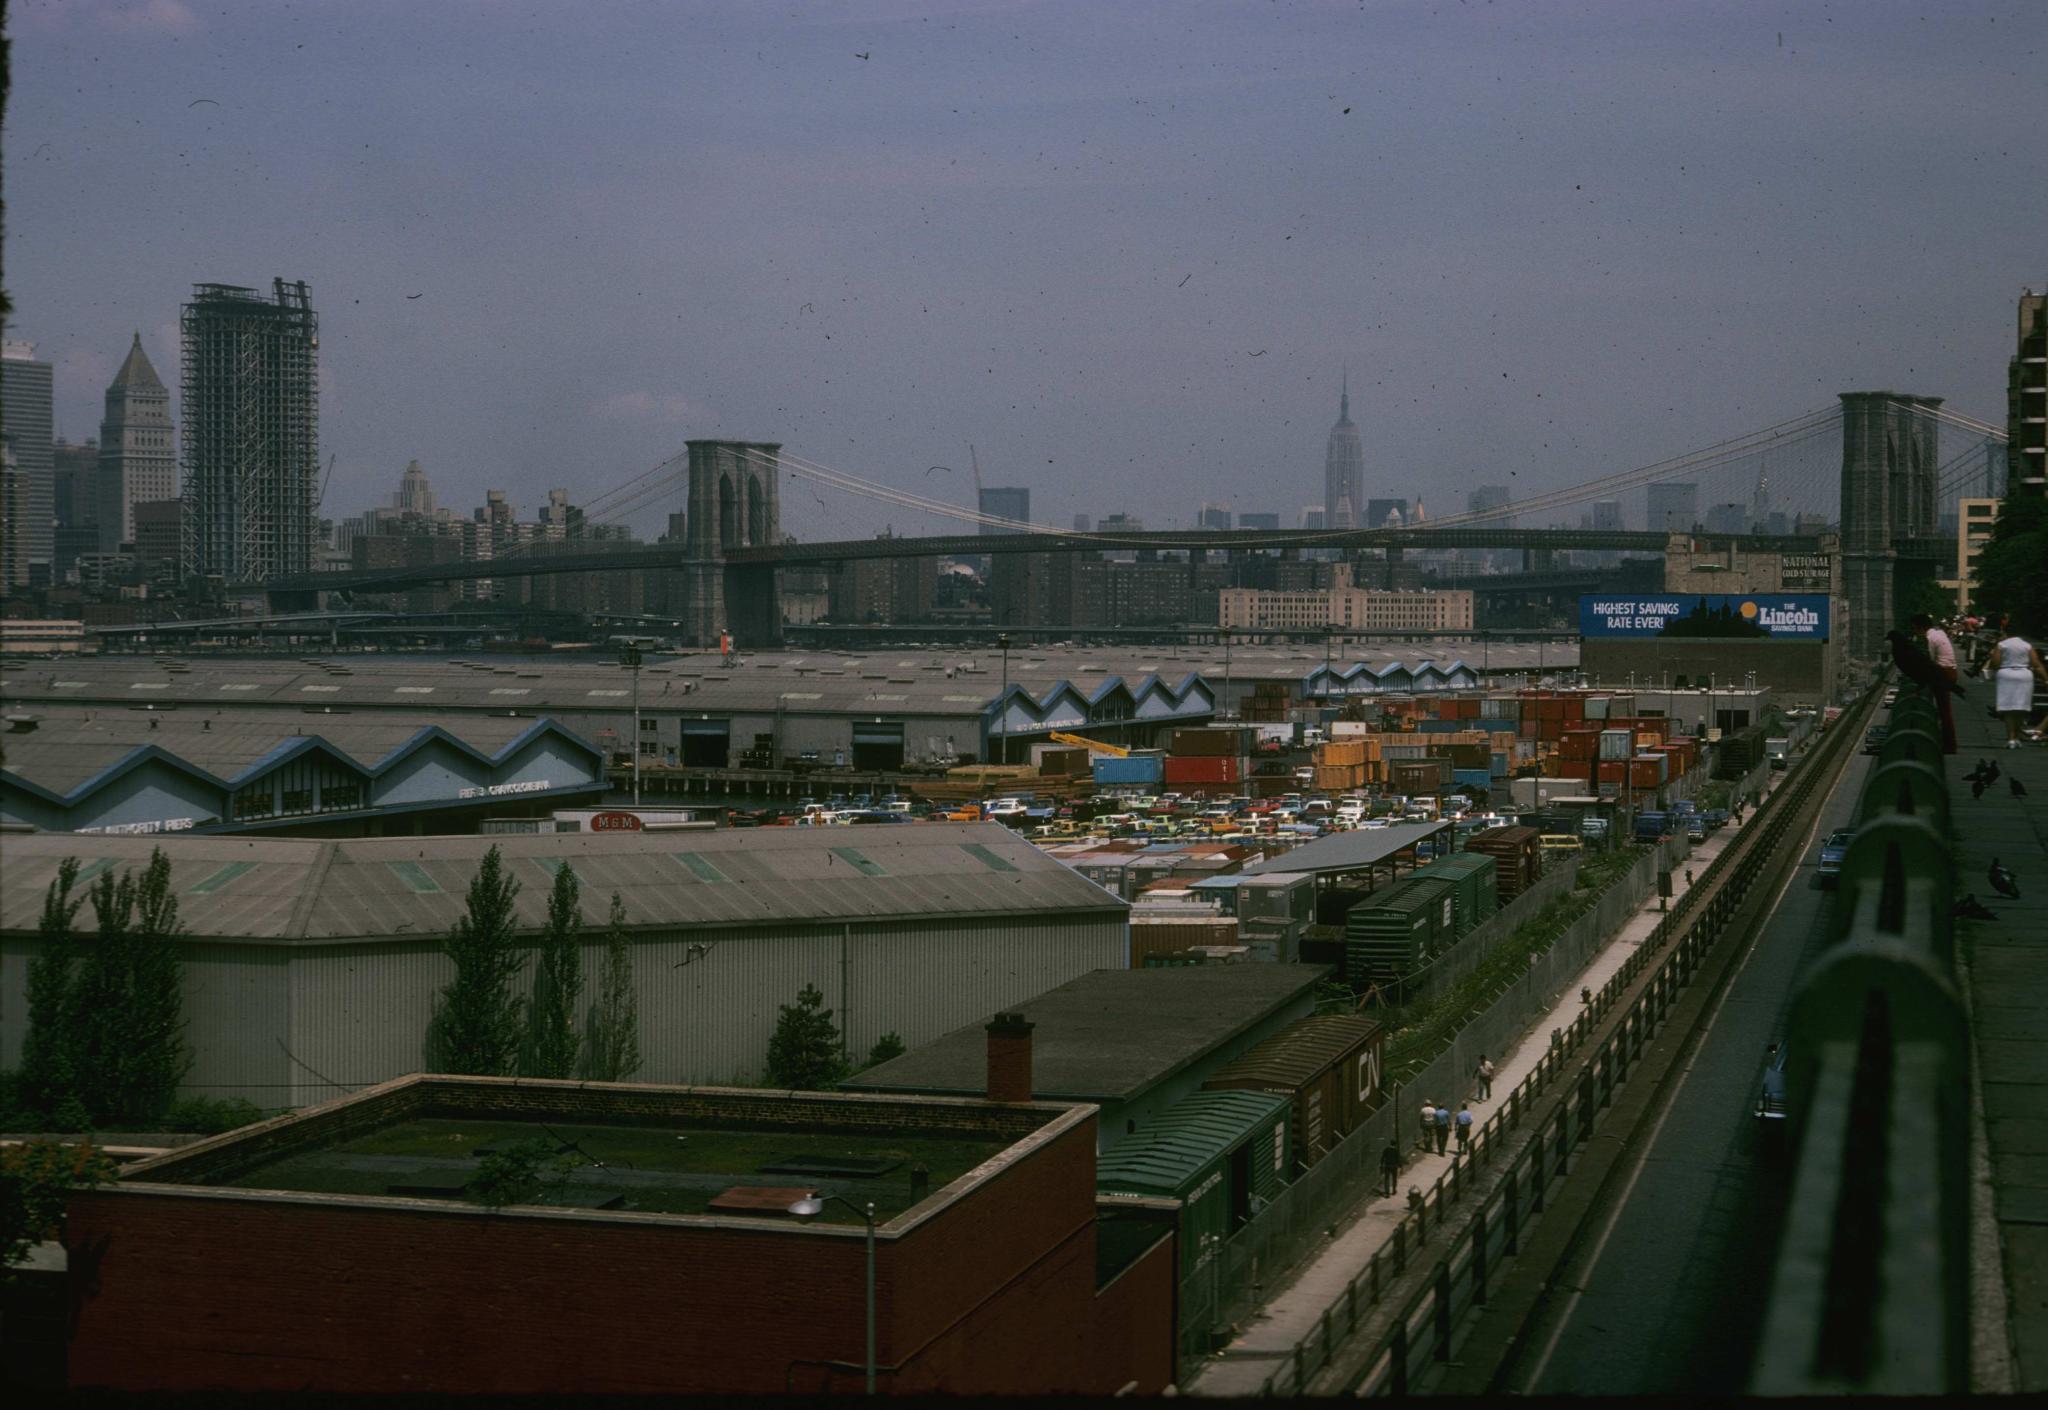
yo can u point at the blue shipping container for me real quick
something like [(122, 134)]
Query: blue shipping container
[(1138, 768), (1476, 778)]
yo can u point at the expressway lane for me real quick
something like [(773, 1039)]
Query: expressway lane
[(1665, 1291)]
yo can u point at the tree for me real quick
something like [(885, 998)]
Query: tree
[(612, 1046), (477, 1024), (2012, 569), (525, 1172), (551, 1036), (126, 1019), (803, 1052), (34, 1176), (889, 1045), (46, 1086)]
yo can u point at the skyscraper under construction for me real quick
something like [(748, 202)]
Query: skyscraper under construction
[(252, 432)]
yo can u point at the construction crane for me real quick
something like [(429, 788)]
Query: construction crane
[(1116, 751)]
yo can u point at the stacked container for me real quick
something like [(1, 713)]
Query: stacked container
[(1517, 860), (1396, 931), (1475, 892)]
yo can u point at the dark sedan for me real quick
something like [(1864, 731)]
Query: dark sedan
[(1771, 1103), (1832, 853)]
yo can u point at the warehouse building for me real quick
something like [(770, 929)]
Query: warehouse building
[(342, 1249), (355, 774), (1132, 1041), (311, 967)]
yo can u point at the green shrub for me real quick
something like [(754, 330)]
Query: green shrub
[(209, 1117)]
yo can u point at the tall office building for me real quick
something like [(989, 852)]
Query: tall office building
[(2026, 402), (1005, 503), (25, 424), (1674, 506), (1257, 519), (415, 495), (1213, 516), (1607, 514), (1729, 518), (1344, 469), (13, 561), (252, 432), (1081, 523), (138, 461)]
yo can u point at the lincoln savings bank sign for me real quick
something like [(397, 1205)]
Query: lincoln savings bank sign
[(1721, 616)]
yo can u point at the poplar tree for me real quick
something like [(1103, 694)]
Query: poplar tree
[(126, 1009), (551, 1036), (612, 1051), (477, 1027), (46, 1088)]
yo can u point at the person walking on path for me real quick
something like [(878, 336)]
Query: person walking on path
[(1428, 1126), (2018, 664), (1943, 653), (1483, 1075), (1464, 1127), (1443, 1127), (1390, 1168)]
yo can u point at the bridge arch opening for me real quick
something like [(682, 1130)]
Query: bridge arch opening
[(757, 513), (728, 513)]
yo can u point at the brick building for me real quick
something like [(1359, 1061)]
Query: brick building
[(336, 1249)]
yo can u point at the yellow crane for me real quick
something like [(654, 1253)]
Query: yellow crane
[(1079, 742)]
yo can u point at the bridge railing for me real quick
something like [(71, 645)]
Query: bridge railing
[(1870, 1293)]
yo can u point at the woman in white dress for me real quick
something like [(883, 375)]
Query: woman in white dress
[(2018, 664)]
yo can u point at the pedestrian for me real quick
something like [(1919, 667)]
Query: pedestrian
[(1428, 1126), (1483, 1075), (1464, 1127), (1390, 1167), (1943, 653), (2018, 664), (1443, 1127)]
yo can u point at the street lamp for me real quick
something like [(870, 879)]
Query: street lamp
[(815, 1204), (630, 659), (1002, 720)]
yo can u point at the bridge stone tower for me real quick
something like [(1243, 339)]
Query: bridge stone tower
[(1889, 493), (735, 503)]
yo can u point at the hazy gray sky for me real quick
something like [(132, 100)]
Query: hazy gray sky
[(1122, 248)]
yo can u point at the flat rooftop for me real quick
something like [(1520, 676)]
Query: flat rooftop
[(625, 1149), (1348, 851), (1108, 1035)]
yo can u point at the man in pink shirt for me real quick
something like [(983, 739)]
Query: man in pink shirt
[(1943, 652)]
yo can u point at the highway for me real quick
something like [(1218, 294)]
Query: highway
[(1664, 1291)]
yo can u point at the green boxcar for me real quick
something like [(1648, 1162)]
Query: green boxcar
[(1222, 1154), (1476, 893), (1396, 931)]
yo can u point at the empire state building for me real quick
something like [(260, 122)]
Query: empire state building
[(1344, 470)]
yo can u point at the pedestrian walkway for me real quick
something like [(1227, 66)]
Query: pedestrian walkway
[(2004, 962), (1297, 1307)]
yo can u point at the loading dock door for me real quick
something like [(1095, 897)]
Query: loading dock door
[(877, 746), (707, 744)]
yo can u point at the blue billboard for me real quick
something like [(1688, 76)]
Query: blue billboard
[(1719, 616)]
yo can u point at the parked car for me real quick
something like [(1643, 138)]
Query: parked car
[(1593, 829), (1874, 740), (1832, 853), (1695, 827), (1716, 818)]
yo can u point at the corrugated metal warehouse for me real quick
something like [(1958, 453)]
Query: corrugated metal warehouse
[(311, 966)]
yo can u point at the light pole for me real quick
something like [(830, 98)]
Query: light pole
[(630, 659), (1226, 667), (815, 1204), (1002, 719)]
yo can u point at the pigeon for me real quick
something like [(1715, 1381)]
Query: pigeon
[(1977, 786), (1970, 908), (1917, 666), (1985, 773), (2019, 790), (2004, 882)]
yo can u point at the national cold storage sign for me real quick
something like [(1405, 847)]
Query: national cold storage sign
[(1780, 617)]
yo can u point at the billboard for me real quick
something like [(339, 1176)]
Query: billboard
[(1713, 616)]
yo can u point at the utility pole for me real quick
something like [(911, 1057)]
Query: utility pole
[(1002, 727), (630, 659)]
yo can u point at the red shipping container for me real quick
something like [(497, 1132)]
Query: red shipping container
[(1200, 769), (1647, 775), (1447, 709), (1575, 707)]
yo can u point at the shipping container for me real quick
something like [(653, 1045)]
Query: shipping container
[(1516, 858), (1329, 1066), (1615, 744), (1138, 769), (1474, 891), (1157, 937), (1207, 770), (1223, 1155), (1424, 777), (1212, 743)]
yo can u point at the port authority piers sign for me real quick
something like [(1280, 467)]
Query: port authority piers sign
[(1724, 616)]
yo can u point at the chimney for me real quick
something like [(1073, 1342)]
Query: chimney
[(1009, 1058)]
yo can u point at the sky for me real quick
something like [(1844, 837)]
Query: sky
[(1125, 250)]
